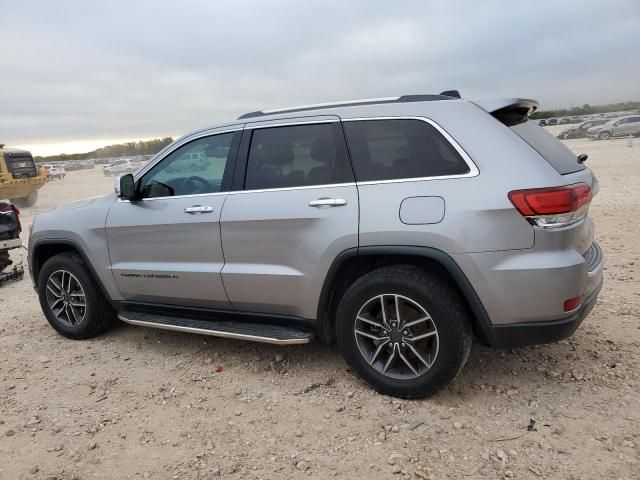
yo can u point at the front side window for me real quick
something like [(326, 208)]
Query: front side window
[(297, 155), (194, 168), (398, 149)]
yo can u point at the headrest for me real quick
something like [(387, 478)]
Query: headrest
[(277, 153), (324, 149)]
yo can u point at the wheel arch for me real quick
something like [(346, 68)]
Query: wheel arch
[(355, 262), (45, 249)]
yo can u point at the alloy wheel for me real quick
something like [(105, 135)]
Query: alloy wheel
[(66, 298), (396, 336)]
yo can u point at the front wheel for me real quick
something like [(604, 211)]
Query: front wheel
[(71, 299), (604, 136), (404, 331)]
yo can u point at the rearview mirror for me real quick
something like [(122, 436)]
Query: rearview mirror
[(126, 187)]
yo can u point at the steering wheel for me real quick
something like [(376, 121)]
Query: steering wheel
[(194, 185)]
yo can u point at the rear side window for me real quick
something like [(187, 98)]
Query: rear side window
[(295, 156), (403, 148), (551, 149)]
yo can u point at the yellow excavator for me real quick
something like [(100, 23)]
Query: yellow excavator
[(20, 178)]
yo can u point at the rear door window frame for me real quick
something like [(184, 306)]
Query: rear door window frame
[(239, 175), (473, 168)]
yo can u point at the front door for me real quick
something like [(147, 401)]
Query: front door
[(295, 209), (165, 248)]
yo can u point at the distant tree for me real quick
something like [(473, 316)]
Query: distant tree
[(587, 109), (128, 149)]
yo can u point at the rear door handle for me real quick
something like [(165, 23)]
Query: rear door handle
[(198, 209), (328, 202)]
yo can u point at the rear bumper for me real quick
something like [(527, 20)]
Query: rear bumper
[(536, 333), (523, 292)]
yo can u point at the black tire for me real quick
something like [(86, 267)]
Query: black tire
[(98, 314), (443, 304), (604, 136), (28, 201)]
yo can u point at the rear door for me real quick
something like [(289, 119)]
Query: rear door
[(632, 126), (165, 248), (294, 211)]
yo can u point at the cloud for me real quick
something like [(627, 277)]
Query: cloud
[(76, 70)]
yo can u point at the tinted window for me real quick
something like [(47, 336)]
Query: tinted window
[(394, 149), (551, 149), (194, 168), (297, 156)]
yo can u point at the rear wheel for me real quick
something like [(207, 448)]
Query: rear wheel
[(404, 331), (28, 201), (71, 299), (604, 136)]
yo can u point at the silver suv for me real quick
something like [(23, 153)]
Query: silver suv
[(400, 227), (618, 127)]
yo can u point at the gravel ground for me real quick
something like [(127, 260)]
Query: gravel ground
[(139, 403)]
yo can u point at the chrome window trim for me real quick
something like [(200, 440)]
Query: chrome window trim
[(302, 187), (473, 168), (194, 195)]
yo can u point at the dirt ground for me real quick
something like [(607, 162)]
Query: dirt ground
[(139, 403)]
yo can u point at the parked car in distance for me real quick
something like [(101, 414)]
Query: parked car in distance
[(56, 172), (73, 165), (564, 121), (618, 127), (542, 122), (326, 221), (87, 164), (552, 121), (120, 167), (580, 131)]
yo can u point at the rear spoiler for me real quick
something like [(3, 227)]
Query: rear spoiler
[(510, 111)]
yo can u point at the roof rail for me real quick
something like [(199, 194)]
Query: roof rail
[(353, 103)]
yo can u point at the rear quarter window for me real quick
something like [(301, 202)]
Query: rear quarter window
[(398, 149), (550, 148)]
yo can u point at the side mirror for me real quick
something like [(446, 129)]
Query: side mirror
[(126, 187)]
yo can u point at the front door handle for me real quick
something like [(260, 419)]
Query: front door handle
[(328, 202), (198, 209)]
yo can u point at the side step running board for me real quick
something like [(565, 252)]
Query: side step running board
[(255, 332)]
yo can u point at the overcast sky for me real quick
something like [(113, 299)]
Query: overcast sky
[(84, 70)]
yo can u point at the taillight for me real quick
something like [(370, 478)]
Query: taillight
[(555, 206)]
